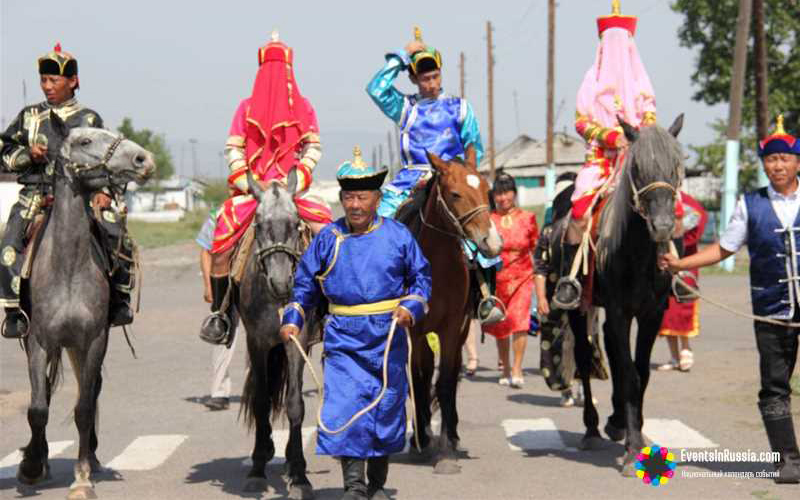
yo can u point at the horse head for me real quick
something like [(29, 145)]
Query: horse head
[(463, 194), (96, 157), (276, 233), (654, 173)]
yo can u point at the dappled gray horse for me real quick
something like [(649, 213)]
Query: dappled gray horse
[(275, 378), (69, 293)]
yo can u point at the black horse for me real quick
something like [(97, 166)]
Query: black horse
[(636, 226), (275, 378)]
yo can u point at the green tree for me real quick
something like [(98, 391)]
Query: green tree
[(711, 157), (216, 192), (710, 27), (152, 142)]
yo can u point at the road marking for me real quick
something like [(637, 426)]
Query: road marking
[(280, 439), (674, 434), (147, 452), (9, 464), (533, 434)]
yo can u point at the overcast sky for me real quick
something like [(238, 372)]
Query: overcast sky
[(180, 68)]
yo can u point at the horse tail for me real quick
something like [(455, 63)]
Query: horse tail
[(276, 373), (277, 378)]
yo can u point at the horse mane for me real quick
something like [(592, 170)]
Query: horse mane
[(655, 153)]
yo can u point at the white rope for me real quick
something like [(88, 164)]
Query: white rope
[(754, 317), (365, 410)]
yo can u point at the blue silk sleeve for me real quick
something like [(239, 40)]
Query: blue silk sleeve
[(471, 133), (307, 292), (382, 90), (418, 280)]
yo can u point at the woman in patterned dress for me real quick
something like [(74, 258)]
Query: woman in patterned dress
[(515, 280)]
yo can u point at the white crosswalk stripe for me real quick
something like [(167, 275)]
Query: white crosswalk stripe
[(9, 463), (543, 434), (281, 438), (147, 452), (674, 434)]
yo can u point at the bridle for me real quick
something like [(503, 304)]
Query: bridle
[(100, 170), (263, 253), (456, 221), (638, 193)]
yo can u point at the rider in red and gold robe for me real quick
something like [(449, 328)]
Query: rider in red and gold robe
[(273, 130)]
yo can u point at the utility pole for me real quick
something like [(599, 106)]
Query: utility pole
[(732, 146), (516, 111), (193, 142), (550, 174), (391, 153), (762, 86), (490, 64), (461, 72), (380, 156)]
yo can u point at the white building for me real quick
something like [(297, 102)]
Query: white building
[(9, 189), (172, 194), (525, 159)]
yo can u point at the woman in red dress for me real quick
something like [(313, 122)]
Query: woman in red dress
[(515, 280), (681, 319)]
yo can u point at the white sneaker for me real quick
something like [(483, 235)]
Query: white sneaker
[(566, 399), (517, 382), (504, 381)]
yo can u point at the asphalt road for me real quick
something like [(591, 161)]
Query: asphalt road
[(158, 441)]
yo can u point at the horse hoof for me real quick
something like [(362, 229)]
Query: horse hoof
[(629, 465), (591, 443), (81, 493), (96, 466), (446, 466), (255, 485), (31, 479), (614, 433), (301, 492)]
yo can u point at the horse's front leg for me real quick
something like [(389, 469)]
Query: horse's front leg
[(34, 466), (581, 328), (257, 402), (90, 363), (446, 387), (615, 427), (647, 332), (299, 486)]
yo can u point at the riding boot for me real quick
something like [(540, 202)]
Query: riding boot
[(123, 282), (488, 311), (216, 327), (377, 470), (355, 487), (781, 436), (15, 325), (568, 290)]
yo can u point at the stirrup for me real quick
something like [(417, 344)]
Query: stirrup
[(27, 326), (682, 294), (221, 340), (496, 314), (573, 303)]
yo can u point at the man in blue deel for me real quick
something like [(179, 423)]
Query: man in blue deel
[(371, 271)]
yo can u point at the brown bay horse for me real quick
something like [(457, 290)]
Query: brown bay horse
[(456, 208)]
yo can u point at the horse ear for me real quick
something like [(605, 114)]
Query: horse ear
[(291, 180), (630, 132), (437, 163), (470, 156), (58, 125), (676, 126), (254, 186)]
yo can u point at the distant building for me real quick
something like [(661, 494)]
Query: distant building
[(526, 160), (172, 194)]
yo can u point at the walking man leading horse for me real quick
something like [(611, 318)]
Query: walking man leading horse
[(27, 148), (767, 220), (371, 271)]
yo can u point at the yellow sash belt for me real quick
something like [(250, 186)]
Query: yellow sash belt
[(382, 307)]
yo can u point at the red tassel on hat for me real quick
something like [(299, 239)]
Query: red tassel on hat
[(57, 48)]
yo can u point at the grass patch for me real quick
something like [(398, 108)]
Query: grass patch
[(160, 234)]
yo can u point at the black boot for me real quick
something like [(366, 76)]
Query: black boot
[(123, 284), (353, 477), (217, 326), (488, 310), (567, 295), (16, 324), (780, 432), (377, 470)]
